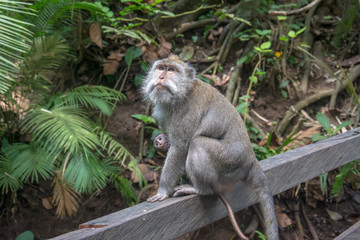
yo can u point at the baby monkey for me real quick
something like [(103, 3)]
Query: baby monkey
[(161, 143), (208, 141)]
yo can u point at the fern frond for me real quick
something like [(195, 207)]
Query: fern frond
[(65, 198), (64, 129), (97, 97), (30, 162), (8, 181)]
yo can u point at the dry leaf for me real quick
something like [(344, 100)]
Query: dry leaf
[(132, 94), (335, 216), (65, 198), (148, 174), (282, 218), (95, 34), (187, 53), (164, 48), (112, 63), (110, 67), (47, 203), (304, 137), (149, 53)]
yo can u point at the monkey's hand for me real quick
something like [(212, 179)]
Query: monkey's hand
[(158, 197)]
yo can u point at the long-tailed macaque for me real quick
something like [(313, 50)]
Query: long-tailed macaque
[(208, 140)]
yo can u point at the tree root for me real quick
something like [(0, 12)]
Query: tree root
[(296, 11), (298, 221), (308, 222), (353, 75), (307, 39), (191, 25), (293, 111), (235, 99), (233, 83)]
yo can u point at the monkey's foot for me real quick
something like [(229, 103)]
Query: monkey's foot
[(158, 197), (184, 189)]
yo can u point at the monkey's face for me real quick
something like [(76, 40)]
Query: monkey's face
[(167, 81), (161, 143)]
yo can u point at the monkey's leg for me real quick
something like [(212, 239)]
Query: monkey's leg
[(184, 189), (212, 164)]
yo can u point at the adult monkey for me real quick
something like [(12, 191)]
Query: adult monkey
[(208, 140)]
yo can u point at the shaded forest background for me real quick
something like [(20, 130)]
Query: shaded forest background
[(76, 138)]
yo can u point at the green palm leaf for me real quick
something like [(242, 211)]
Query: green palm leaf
[(14, 38), (96, 97), (64, 129), (86, 173), (30, 162), (52, 14), (8, 182), (47, 54)]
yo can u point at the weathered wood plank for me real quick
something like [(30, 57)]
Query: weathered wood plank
[(352, 233), (177, 216)]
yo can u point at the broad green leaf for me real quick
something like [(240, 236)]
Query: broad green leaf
[(343, 124), (283, 38), (27, 235), (324, 121), (144, 118), (281, 18), (253, 79), (131, 54), (284, 84), (261, 73), (284, 94), (318, 137), (242, 60), (266, 45), (292, 34), (138, 79), (258, 49)]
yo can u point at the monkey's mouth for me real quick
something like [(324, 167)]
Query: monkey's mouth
[(162, 87)]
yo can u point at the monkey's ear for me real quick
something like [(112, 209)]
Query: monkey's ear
[(190, 72)]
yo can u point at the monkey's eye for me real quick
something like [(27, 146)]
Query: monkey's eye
[(171, 69), (161, 68), (160, 139)]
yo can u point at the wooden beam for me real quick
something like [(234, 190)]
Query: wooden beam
[(352, 233), (176, 216)]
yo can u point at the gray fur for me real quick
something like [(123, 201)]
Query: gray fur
[(208, 141)]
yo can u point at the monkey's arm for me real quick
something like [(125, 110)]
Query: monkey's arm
[(173, 168)]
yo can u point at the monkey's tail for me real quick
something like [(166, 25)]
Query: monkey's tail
[(270, 221), (261, 184), (232, 217)]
